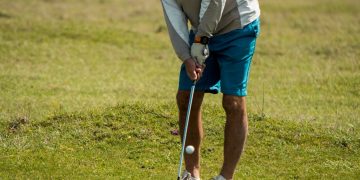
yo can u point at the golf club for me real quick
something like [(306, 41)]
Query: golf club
[(186, 128)]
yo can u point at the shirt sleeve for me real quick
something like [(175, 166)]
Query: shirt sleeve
[(210, 15), (176, 22)]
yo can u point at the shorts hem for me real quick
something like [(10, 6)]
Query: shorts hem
[(200, 89), (240, 93)]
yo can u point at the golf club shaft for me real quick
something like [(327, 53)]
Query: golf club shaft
[(186, 128)]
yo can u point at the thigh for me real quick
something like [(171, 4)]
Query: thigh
[(209, 82), (235, 58), (235, 66)]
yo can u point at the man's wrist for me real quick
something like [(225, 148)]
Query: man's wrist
[(190, 60), (202, 40)]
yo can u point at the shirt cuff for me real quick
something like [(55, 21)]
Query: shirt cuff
[(184, 57)]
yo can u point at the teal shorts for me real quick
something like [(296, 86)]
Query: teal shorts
[(227, 68)]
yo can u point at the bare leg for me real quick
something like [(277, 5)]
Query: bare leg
[(236, 129), (195, 130)]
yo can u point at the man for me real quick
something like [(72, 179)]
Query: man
[(217, 52)]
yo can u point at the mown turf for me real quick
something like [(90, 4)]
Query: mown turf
[(134, 141), (87, 91)]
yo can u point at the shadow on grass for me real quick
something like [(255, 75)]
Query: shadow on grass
[(4, 15)]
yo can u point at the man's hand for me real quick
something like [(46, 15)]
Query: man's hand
[(200, 52), (193, 69)]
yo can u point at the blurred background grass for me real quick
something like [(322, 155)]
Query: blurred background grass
[(70, 55)]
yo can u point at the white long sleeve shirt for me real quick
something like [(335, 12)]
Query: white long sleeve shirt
[(207, 18)]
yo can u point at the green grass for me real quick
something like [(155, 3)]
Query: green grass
[(87, 89), (132, 140)]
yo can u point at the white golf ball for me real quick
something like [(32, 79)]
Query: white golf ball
[(190, 149)]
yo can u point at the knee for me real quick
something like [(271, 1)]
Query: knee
[(233, 104), (182, 99)]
